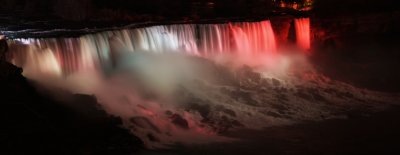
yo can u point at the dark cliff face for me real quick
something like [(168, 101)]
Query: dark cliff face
[(359, 48), (34, 123)]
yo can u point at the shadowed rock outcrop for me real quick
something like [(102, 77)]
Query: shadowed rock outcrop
[(33, 123)]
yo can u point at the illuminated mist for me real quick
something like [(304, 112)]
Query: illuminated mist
[(187, 83)]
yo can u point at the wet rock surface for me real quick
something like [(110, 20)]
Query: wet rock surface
[(179, 121), (253, 97), (331, 117)]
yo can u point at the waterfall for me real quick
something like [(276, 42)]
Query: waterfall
[(302, 26), (168, 98), (93, 50)]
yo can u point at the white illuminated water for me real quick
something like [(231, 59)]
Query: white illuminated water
[(153, 75)]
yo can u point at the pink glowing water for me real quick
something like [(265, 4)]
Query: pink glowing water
[(78, 64), (302, 26), (94, 51)]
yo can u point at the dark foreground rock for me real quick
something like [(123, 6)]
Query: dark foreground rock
[(34, 124)]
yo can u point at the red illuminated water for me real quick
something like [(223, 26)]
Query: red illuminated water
[(243, 39), (104, 64), (302, 26), (166, 99)]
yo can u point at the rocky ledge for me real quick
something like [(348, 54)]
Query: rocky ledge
[(33, 123)]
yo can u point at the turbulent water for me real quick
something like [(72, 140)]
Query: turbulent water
[(188, 83)]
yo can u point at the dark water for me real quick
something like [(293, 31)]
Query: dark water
[(359, 134)]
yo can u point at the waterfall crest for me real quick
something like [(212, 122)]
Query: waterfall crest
[(94, 50)]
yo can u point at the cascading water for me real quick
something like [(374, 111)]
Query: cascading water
[(164, 83), (302, 26), (204, 40), (80, 64)]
